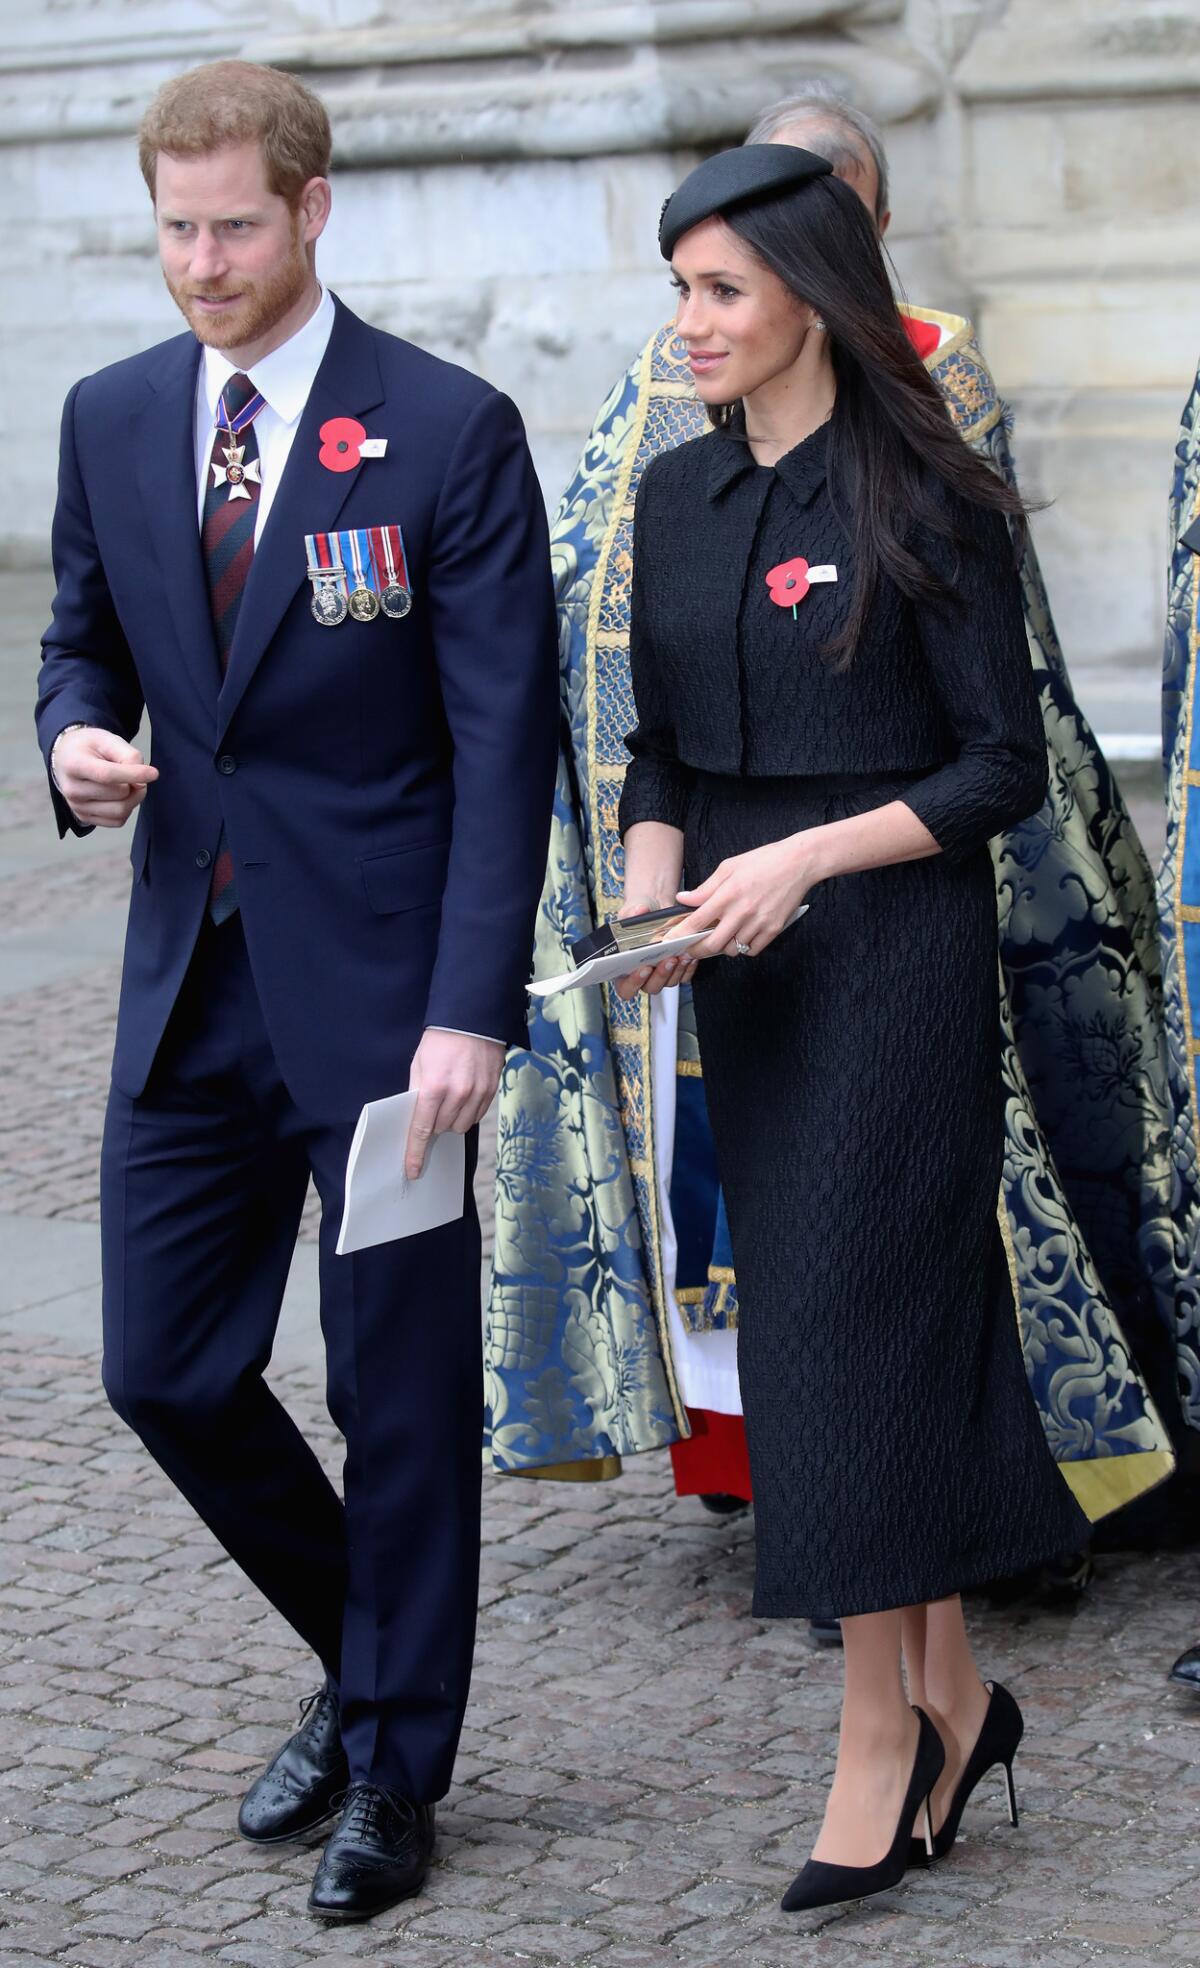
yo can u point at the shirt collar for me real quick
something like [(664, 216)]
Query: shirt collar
[(802, 469), (286, 375)]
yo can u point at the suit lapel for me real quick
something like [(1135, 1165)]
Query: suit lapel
[(309, 500), (166, 469)]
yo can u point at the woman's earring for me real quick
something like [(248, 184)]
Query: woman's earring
[(819, 325)]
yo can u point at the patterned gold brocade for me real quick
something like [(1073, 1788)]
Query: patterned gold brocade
[(1179, 895), (600, 1469)]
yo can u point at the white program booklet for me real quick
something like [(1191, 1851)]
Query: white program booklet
[(622, 963), (601, 970), (381, 1203)]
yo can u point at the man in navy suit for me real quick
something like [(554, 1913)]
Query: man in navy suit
[(317, 557)]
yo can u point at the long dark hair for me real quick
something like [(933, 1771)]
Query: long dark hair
[(892, 439)]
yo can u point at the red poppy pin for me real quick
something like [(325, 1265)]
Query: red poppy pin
[(788, 583), (341, 443)]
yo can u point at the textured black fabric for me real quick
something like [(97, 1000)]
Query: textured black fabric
[(852, 1071), (852, 1079), (732, 179), (727, 681)]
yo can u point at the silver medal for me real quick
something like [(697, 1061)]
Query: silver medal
[(329, 603)]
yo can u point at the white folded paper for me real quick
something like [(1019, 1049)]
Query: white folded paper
[(381, 1203), (622, 963), (601, 970)]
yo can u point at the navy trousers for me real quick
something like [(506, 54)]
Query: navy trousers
[(203, 1180)]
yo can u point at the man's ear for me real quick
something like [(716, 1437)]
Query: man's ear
[(314, 206)]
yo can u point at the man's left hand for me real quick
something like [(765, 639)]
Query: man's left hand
[(454, 1077)]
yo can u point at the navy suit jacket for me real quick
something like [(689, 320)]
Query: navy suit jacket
[(385, 786)]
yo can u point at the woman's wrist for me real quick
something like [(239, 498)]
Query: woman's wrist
[(653, 867), (815, 853)]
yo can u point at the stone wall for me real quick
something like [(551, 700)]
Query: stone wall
[(499, 176)]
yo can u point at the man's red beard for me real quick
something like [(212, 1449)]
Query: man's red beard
[(258, 307)]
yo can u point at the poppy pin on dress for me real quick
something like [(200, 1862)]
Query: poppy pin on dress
[(788, 583)]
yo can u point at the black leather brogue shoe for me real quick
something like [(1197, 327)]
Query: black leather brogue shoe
[(378, 1855), (1186, 1671), (304, 1785)]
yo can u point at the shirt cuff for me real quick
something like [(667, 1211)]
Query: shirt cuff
[(488, 1037)]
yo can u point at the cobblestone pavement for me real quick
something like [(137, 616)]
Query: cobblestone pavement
[(644, 1763), (642, 1766)]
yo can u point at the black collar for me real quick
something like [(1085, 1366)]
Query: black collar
[(802, 469)]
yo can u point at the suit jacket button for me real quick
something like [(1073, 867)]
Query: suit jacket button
[(204, 858), (226, 764)]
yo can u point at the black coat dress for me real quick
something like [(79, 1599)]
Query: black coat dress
[(852, 1070)]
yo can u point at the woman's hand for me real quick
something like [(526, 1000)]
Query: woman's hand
[(652, 978), (653, 865), (750, 897)]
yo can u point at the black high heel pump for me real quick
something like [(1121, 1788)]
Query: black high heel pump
[(820, 1885), (997, 1743)]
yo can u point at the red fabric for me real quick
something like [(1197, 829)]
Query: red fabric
[(715, 1461), (924, 335)]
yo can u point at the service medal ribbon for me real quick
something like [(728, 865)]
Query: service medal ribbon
[(391, 570), (356, 553), (327, 572)]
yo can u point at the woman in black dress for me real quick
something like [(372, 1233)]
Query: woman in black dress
[(835, 706)]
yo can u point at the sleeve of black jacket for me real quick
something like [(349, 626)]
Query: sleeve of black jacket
[(656, 785), (978, 654), (87, 674), (495, 643)]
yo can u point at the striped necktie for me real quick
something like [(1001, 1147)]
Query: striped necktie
[(227, 539)]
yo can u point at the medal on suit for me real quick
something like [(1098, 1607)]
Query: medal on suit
[(237, 472), (329, 602), (360, 573), (387, 549), (363, 602)]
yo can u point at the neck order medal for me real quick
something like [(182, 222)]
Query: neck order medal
[(236, 473)]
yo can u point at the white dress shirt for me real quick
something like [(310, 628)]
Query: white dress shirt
[(284, 379)]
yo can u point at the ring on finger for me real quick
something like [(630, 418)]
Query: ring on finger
[(743, 949)]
